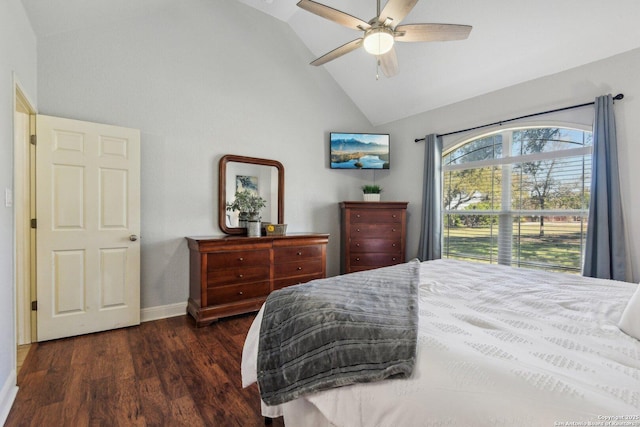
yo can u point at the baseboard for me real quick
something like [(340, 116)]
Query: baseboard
[(163, 311), (7, 396)]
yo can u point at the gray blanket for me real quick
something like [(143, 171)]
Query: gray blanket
[(359, 327)]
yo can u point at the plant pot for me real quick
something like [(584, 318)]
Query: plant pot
[(253, 228), (371, 197)]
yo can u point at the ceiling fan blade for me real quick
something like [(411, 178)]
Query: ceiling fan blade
[(338, 52), (389, 63), (396, 10), (333, 15), (431, 32)]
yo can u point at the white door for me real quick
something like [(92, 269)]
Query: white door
[(88, 222)]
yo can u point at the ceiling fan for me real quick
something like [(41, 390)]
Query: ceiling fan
[(382, 31)]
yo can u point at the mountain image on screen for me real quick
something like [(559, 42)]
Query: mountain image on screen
[(359, 151)]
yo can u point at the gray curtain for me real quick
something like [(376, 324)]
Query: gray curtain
[(430, 246), (605, 255)]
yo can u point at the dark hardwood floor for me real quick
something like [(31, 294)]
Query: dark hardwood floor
[(161, 373)]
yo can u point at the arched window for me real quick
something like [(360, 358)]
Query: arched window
[(519, 197)]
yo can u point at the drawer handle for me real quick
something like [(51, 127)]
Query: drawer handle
[(358, 245), (299, 268), (358, 216), (394, 245), (357, 230), (393, 259), (299, 253), (241, 259), (393, 229), (357, 259), (394, 216), (240, 276), (240, 293)]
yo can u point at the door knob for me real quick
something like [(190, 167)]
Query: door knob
[(133, 237)]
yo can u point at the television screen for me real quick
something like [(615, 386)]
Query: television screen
[(359, 150)]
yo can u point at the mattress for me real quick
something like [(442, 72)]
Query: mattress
[(497, 346)]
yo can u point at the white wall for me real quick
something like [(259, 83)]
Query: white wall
[(17, 63), (576, 86), (201, 79)]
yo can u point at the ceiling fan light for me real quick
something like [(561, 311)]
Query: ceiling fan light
[(378, 41)]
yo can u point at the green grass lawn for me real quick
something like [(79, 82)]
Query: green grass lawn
[(558, 250)]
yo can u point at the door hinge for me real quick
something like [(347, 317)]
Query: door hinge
[(34, 305), (34, 223), (33, 139)]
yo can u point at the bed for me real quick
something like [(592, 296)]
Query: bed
[(496, 346)]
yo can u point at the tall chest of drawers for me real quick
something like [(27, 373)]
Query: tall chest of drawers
[(234, 274), (373, 234)]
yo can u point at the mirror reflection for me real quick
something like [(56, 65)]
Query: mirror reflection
[(254, 180)]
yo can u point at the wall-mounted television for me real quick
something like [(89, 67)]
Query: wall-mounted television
[(359, 150)]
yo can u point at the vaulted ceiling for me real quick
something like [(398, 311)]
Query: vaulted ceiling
[(512, 41)]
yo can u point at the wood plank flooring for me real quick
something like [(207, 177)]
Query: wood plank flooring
[(161, 373)]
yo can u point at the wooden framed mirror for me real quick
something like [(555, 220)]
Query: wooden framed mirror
[(264, 176)]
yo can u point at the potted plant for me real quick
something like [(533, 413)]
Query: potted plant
[(248, 204), (371, 193)]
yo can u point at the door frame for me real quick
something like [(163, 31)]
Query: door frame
[(23, 211)]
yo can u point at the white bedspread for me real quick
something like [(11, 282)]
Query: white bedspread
[(499, 346)]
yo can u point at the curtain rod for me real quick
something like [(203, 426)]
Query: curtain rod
[(617, 98)]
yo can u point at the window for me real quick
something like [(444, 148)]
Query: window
[(519, 197)]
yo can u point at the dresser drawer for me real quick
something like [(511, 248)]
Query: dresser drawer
[(290, 281), (229, 276), (294, 253), (376, 215), (373, 259), (232, 259), (389, 231), (376, 245), (233, 293), (287, 269)]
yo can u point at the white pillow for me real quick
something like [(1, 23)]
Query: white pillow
[(630, 320)]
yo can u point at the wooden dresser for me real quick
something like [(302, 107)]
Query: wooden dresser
[(231, 275), (373, 234)]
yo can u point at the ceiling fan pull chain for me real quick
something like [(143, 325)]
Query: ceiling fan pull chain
[(378, 66)]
